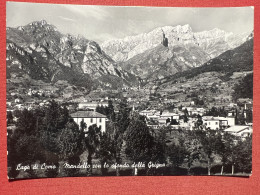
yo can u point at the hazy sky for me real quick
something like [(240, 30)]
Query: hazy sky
[(101, 23)]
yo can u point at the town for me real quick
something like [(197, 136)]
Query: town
[(235, 118)]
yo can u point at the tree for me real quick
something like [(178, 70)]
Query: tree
[(123, 116), (107, 151), (209, 144), (244, 160), (54, 121), (223, 148), (192, 150), (177, 153), (107, 110), (56, 117), (138, 141), (44, 134), (83, 125), (70, 146), (174, 122), (232, 152), (26, 122), (140, 146), (92, 142), (110, 110), (199, 123), (27, 149), (17, 113), (244, 89), (101, 109), (237, 152), (162, 137), (214, 111), (249, 116), (24, 144), (9, 117), (117, 126), (69, 141), (240, 119), (186, 115)]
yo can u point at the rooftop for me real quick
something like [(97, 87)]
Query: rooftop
[(238, 128), (87, 114), (94, 102)]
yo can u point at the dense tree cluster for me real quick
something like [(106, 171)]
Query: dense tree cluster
[(107, 110), (43, 135), (49, 135), (244, 89), (208, 147), (214, 111)]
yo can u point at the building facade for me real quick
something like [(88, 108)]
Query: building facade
[(90, 118), (91, 105)]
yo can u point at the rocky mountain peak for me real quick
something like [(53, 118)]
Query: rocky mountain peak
[(213, 42), (56, 56), (250, 36), (184, 29), (38, 23)]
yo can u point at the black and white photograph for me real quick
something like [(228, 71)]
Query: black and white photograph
[(97, 90)]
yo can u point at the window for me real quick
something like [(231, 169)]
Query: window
[(100, 120), (216, 123), (91, 120)]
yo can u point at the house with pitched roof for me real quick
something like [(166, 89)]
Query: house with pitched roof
[(90, 118)]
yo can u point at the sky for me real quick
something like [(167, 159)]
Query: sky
[(101, 23)]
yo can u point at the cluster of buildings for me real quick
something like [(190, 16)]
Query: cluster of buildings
[(184, 117), (187, 119), (19, 104), (40, 92), (164, 117)]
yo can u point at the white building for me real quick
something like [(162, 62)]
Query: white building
[(168, 115), (212, 123), (147, 112), (227, 121), (90, 118), (215, 123), (92, 105), (240, 130), (194, 110)]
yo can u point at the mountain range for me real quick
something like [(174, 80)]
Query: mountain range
[(212, 42), (40, 51), (144, 56), (239, 59)]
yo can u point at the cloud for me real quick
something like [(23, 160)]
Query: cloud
[(89, 11), (67, 19), (112, 22)]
